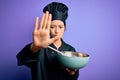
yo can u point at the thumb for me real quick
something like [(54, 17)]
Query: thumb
[(54, 39)]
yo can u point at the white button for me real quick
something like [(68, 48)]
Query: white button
[(52, 51)]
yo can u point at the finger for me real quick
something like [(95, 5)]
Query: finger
[(42, 20), (54, 39), (67, 69), (49, 21), (75, 70), (45, 20), (71, 72), (36, 24)]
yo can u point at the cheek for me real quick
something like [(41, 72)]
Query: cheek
[(52, 31), (62, 32)]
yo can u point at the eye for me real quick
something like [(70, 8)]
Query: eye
[(60, 26), (52, 26)]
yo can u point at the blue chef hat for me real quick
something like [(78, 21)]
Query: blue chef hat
[(58, 10)]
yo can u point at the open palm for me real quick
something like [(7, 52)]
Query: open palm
[(41, 33)]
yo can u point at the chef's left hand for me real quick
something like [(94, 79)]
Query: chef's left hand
[(71, 71)]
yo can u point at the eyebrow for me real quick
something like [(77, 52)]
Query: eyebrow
[(57, 25)]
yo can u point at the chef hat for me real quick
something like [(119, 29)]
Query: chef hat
[(58, 10)]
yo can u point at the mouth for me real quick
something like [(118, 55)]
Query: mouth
[(57, 35)]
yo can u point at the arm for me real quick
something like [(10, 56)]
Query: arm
[(41, 40), (26, 56)]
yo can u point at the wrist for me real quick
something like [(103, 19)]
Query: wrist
[(34, 48)]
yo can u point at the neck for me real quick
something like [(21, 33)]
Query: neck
[(57, 43)]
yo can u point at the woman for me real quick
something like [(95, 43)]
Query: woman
[(41, 60)]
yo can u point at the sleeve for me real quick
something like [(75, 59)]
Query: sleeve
[(73, 49), (26, 57)]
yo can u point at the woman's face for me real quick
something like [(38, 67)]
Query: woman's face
[(57, 28)]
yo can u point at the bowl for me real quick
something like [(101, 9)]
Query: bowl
[(73, 60)]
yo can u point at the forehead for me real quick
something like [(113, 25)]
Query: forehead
[(57, 22)]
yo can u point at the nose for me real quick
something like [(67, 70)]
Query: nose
[(57, 29)]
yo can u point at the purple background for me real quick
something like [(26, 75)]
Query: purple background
[(93, 27)]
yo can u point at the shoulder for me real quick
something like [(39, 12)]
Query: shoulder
[(68, 46)]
